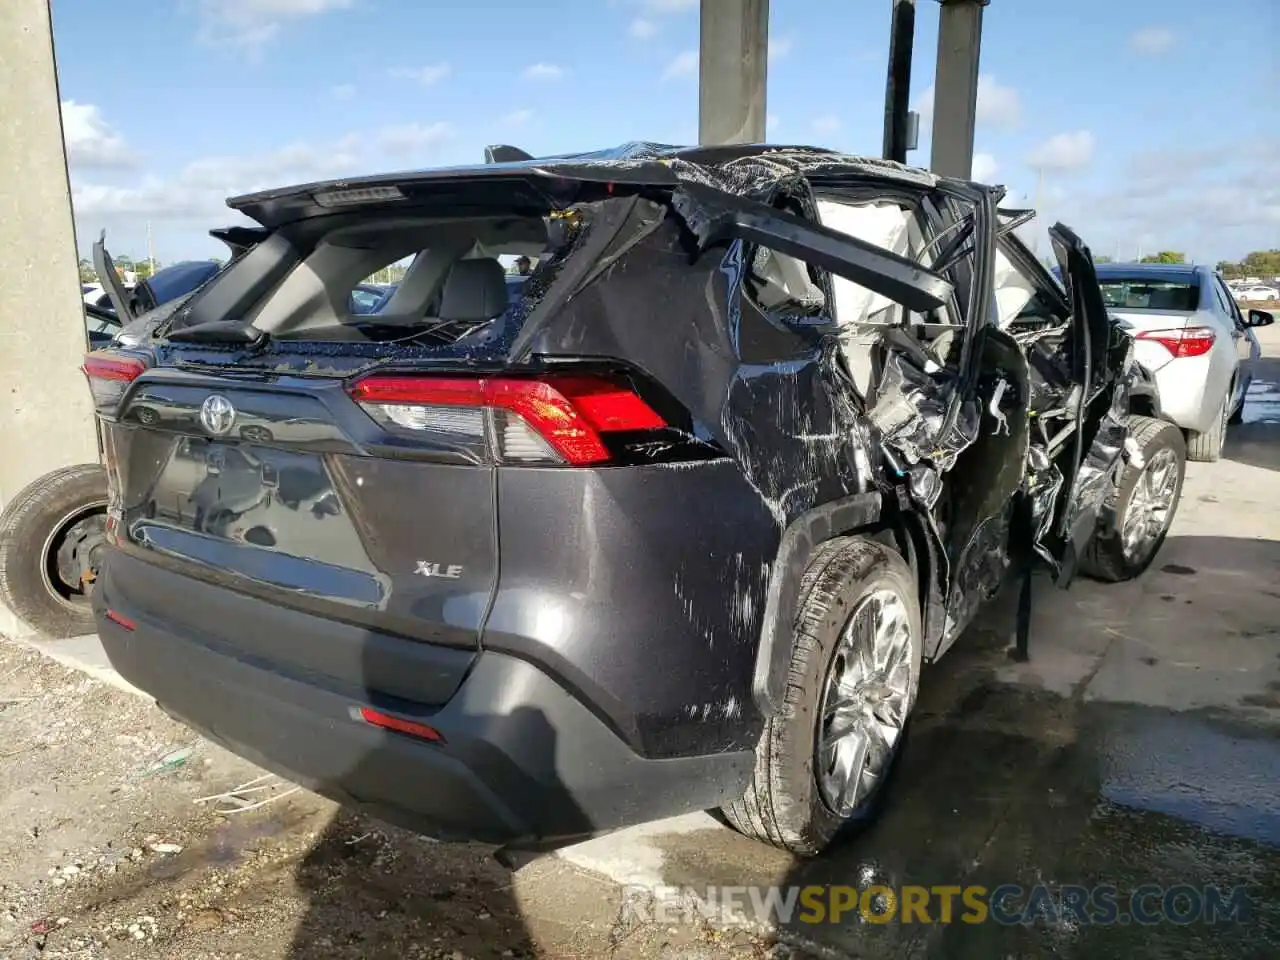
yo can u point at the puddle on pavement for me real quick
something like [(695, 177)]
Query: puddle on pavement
[(1262, 403), (1186, 768), (1012, 786)]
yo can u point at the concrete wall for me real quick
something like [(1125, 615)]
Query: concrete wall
[(46, 419)]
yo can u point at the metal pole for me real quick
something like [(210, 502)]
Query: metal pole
[(897, 88), (955, 97), (732, 67)]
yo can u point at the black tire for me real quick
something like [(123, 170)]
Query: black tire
[(1106, 558), (1237, 415), (783, 805), (1207, 447), (45, 516)]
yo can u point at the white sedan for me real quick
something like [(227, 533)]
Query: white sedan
[(1256, 294), (1192, 337)]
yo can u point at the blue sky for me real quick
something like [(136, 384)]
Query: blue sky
[(1154, 123)]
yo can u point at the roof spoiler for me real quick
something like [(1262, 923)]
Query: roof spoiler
[(504, 153), (239, 239)]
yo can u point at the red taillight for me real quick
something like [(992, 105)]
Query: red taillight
[(121, 619), (386, 721), (1188, 342), (105, 366), (109, 376), (555, 418)]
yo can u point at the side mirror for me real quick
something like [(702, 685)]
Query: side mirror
[(1261, 318)]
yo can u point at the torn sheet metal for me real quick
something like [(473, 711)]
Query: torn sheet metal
[(1043, 486), (979, 573), (911, 411)]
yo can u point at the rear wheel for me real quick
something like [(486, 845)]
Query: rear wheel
[(1207, 447), (1143, 503), (51, 539), (822, 762)]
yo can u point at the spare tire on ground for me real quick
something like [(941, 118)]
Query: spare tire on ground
[(51, 539)]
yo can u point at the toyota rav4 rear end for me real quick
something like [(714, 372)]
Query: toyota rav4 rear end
[(481, 563), (522, 560)]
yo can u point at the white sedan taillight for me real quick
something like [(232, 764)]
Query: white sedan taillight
[(1187, 342)]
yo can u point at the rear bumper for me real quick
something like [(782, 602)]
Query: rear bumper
[(1185, 395), (522, 760)]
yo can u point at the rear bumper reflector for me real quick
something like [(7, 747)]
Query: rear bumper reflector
[(386, 721), (121, 620)]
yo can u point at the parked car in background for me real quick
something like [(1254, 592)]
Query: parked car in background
[(95, 296), (100, 326), (1257, 294), (1192, 337), (366, 298), (755, 441)]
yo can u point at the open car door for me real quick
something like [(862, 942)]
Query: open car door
[(111, 282), (1096, 354)]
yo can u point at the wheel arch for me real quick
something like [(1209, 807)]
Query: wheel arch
[(860, 514)]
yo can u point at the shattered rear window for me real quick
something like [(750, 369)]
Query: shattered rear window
[(1143, 293)]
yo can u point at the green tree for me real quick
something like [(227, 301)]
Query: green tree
[(1262, 263), (1165, 256), (87, 273), (1101, 259), (1259, 263)]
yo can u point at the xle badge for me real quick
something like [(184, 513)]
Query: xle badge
[(429, 569)]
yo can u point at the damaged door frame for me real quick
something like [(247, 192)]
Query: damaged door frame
[(900, 508)]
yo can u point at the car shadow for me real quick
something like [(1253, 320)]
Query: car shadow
[(1256, 441), (378, 891), (1009, 784)]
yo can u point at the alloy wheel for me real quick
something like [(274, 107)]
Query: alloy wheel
[(1150, 505), (865, 702)]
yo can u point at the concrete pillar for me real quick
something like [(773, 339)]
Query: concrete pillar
[(732, 68), (955, 97), (46, 418)]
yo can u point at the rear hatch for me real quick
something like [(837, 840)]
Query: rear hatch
[(346, 466)]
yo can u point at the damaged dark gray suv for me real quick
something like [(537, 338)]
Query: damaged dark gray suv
[(671, 525)]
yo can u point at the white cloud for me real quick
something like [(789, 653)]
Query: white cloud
[(779, 47), (999, 106), (251, 23), (91, 141), (682, 65), (827, 124), (426, 75), (1212, 203), (771, 124), (413, 138), (1063, 152), (543, 71), (642, 29), (1152, 40), (198, 191), (343, 91), (517, 118), (196, 194), (985, 167)]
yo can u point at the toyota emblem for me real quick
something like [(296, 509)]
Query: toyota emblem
[(217, 415)]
